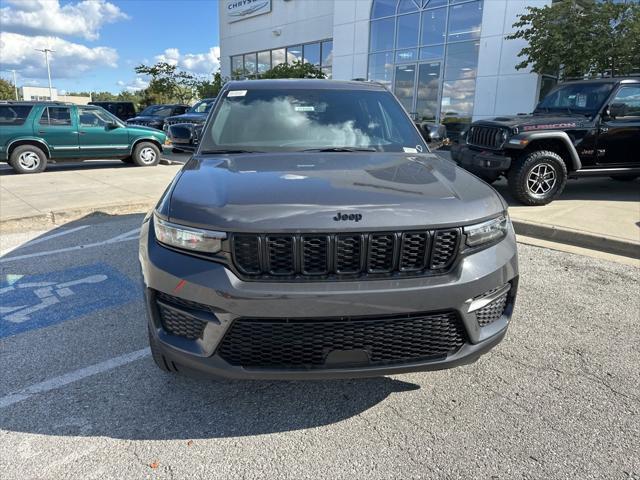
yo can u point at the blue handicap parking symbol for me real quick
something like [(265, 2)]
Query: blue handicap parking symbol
[(36, 301)]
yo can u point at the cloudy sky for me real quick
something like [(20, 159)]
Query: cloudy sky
[(98, 43)]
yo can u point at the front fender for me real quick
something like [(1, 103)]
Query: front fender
[(523, 140)]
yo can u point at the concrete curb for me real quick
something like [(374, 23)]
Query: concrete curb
[(578, 238), (60, 217)]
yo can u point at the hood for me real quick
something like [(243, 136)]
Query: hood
[(142, 128), (188, 118), (147, 118), (289, 192), (536, 121)]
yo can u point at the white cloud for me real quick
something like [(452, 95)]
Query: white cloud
[(47, 17), (138, 83), (69, 59), (198, 63)]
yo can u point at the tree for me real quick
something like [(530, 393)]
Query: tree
[(167, 84), (210, 89), (7, 90), (577, 39), (294, 70)]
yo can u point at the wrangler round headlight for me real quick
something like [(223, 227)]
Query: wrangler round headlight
[(486, 232), (187, 238)]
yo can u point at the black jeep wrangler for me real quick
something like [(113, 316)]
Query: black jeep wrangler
[(582, 128)]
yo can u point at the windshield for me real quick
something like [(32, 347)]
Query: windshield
[(203, 106), (584, 98), (290, 120), (160, 110)]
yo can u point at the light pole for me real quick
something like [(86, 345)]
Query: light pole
[(15, 83), (47, 51)]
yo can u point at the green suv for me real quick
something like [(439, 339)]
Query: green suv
[(35, 133)]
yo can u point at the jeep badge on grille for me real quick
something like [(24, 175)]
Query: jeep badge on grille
[(356, 217)]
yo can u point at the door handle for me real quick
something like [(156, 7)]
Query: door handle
[(81, 132)]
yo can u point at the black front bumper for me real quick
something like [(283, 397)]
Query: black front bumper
[(483, 163)]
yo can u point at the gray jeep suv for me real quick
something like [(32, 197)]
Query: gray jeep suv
[(312, 235)]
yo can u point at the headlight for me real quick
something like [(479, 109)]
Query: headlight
[(485, 232), (187, 238)]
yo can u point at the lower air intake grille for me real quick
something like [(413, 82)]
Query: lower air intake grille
[(305, 343), (493, 311), (176, 319)]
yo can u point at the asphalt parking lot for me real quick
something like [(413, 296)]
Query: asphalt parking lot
[(81, 398)]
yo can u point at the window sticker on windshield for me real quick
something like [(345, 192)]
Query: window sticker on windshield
[(237, 93), (581, 101), (409, 150), (309, 108)]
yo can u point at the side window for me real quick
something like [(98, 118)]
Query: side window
[(92, 118), (179, 110), (56, 116), (630, 98)]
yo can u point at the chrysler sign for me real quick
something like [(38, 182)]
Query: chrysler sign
[(241, 9)]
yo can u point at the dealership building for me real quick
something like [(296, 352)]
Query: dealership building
[(445, 60)]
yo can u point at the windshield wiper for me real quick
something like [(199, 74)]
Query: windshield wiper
[(340, 149), (222, 150)]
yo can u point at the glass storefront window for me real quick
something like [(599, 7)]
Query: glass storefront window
[(433, 3), (462, 60), (431, 48), (383, 8), (434, 26), (250, 64), (312, 53), (327, 53), (406, 6), (237, 69), (432, 53), (294, 54), (278, 56), (264, 61), (382, 33), (327, 72), (381, 67), (403, 56), (465, 21), (407, 30)]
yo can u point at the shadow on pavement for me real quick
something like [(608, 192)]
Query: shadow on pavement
[(137, 400), (67, 166)]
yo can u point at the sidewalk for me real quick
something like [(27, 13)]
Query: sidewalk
[(599, 214), (69, 191)]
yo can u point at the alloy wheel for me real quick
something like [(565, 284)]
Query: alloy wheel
[(541, 179)]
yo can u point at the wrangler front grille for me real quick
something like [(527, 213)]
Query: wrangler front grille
[(307, 343), (345, 255), (487, 137)]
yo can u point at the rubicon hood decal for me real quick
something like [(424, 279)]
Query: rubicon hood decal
[(550, 126)]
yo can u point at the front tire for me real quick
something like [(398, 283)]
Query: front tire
[(146, 154), (538, 177), (28, 159)]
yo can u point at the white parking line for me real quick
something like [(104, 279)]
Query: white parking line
[(43, 239), (130, 235), (71, 377)]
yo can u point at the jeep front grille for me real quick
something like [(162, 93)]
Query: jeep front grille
[(486, 137), (348, 255), (308, 343)]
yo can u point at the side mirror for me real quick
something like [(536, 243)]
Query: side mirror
[(112, 126), (435, 134), (616, 110)]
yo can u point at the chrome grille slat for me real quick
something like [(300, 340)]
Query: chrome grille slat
[(344, 255)]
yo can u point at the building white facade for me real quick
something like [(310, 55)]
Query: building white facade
[(42, 94), (446, 60)]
